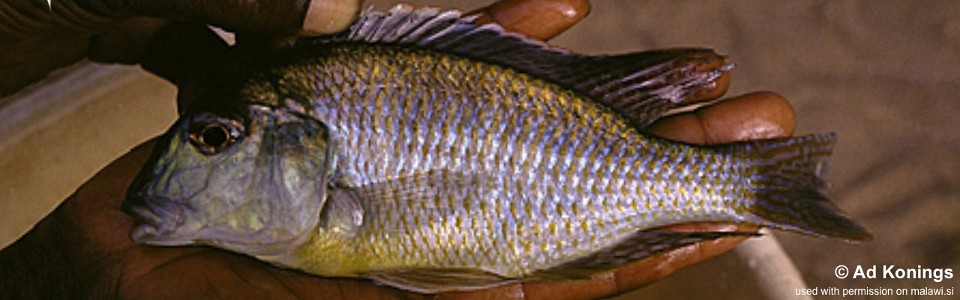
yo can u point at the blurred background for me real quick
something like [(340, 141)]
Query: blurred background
[(883, 74)]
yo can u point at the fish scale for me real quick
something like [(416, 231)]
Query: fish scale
[(503, 131)]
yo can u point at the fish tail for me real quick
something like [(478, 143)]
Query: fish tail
[(788, 183)]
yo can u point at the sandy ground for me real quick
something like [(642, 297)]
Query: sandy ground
[(883, 74)]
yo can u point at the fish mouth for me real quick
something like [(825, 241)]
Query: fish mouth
[(157, 219)]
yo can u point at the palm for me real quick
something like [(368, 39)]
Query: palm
[(193, 273)]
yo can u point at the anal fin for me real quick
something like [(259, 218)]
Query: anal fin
[(640, 245), (431, 281)]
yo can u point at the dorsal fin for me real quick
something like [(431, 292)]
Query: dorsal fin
[(641, 86)]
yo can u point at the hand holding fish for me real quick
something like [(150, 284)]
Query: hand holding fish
[(38, 37), (88, 235)]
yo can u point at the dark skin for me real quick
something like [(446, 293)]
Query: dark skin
[(83, 249)]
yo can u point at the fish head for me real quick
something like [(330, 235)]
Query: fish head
[(250, 178)]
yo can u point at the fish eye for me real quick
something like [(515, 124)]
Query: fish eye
[(213, 136)]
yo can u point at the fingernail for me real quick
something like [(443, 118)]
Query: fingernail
[(711, 91), (719, 86), (329, 16)]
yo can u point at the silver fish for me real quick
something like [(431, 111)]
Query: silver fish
[(432, 154)]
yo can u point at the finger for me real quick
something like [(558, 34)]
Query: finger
[(537, 19), (29, 61), (188, 55), (646, 271), (276, 17), (503, 292), (600, 286), (329, 16), (126, 42), (73, 17), (95, 207), (760, 115), (650, 270), (628, 277), (75, 20)]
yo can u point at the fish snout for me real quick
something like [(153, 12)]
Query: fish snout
[(157, 218)]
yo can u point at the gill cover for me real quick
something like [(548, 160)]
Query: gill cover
[(258, 189)]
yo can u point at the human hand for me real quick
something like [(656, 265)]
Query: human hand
[(84, 249), (36, 39)]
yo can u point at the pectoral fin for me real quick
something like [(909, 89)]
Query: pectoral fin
[(431, 281), (434, 193), (427, 186)]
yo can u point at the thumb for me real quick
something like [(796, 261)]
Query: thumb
[(39, 36), (305, 17), (28, 19)]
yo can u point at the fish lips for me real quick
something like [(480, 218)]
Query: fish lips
[(158, 219)]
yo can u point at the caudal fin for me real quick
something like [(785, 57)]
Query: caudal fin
[(788, 188)]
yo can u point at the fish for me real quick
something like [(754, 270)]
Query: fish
[(425, 152)]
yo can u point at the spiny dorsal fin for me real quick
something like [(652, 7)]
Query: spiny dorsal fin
[(640, 245), (642, 86)]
